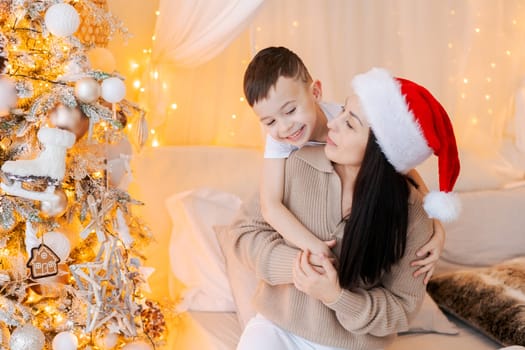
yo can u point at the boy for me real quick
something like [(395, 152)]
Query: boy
[(279, 88)]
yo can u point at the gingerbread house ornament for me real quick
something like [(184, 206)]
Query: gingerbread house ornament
[(43, 262)]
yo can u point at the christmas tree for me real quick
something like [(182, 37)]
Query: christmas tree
[(71, 272)]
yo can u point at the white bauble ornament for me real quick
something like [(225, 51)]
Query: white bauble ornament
[(137, 345), (87, 90), (59, 244), (62, 19), (113, 90), (54, 208), (107, 341), (101, 59), (65, 341), (7, 95), (27, 337)]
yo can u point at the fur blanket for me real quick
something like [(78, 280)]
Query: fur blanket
[(490, 299)]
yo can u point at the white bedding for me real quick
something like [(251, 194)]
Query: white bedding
[(163, 172), (220, 331)]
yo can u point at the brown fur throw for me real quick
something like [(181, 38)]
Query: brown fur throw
[(490, 299)]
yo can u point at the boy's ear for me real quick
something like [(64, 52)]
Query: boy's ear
[(317, 90)]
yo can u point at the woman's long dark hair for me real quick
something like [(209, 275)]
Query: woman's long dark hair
[(375, 232)]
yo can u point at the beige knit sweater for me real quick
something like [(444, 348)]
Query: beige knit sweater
[(364, 318)]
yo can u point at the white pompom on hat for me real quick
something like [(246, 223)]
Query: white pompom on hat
[(410, 125)]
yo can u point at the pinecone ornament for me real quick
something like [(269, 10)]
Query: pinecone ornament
[(153, 320)]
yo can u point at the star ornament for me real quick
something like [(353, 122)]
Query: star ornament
[(107, 289)]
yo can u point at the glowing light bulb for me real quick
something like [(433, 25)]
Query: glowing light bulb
[(155, 143), (477, 30), (136, 84), (241, 99), (157, 13), (465, 80), (173, 106), (234, 116)]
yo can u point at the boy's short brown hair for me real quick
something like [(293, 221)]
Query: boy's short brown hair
[(267, 67)]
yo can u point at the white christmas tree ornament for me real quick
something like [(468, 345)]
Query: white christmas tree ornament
[(62, 19)]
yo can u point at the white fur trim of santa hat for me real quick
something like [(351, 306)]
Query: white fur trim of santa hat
[(444, 206), (394, 125)]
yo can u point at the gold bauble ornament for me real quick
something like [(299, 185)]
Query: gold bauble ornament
[(55, 208), (70, 119)]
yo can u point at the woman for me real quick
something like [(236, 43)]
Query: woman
[(354, 191)]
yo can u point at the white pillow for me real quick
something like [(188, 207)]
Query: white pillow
[(489, 230), (429, 319), (195, 256)]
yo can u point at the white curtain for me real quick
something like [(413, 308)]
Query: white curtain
[(468, 53), (189, 33)]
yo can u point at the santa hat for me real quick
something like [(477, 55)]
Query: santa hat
[(410, 125)]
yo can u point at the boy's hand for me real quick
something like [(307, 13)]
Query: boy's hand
[(322, 250), (430, 252)]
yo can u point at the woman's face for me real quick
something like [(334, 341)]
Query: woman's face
[(348, 134)]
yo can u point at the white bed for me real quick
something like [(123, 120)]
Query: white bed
[(163, 172)]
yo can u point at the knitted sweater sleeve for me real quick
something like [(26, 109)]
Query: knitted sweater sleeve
[(257, 245), (388, 307)]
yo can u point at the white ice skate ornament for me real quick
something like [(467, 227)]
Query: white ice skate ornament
[(31, 240), (50, 166)]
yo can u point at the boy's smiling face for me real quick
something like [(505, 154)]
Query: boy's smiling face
[(289, 113)]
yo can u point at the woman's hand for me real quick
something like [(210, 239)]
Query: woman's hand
[(320, 285), (430, 252)]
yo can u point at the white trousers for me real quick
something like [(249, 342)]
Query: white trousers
[(262, 334)]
